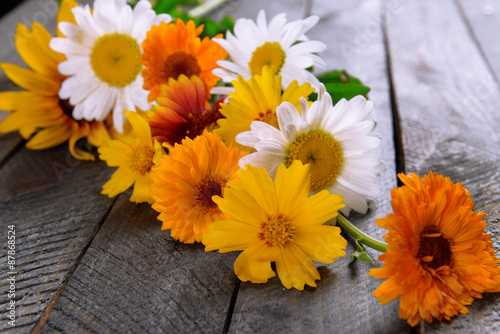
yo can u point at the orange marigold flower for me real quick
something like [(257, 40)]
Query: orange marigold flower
[(438, 258), (185, 181), (182, 111), (174, 49)]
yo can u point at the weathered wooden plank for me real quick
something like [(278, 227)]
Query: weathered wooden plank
[(448, 104), (135, 278), (483, 20), (343, 301), (56, 207)]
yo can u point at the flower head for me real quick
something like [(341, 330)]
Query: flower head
[(103, 65), (38, 109), (330, 139), (134, 155), (257, 99), (438, 258), (187, 178), (182, 110), (277, 222), (174, 49), (257, 44)]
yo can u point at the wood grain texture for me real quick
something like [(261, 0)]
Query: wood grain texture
[(483, 18), (135, 278), (343, 302), (56, 207), (448, 102)]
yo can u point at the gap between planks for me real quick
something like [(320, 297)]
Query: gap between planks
[(53, 301), (396, 120)]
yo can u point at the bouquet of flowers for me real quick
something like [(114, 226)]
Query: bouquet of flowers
[(226, 130)]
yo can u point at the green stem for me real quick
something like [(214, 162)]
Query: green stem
[(355, 232), (206, 8)]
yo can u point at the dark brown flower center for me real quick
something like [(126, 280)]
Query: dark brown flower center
[(208, 187), (205, 120), (434, 249), (66, 107), (181, 63)]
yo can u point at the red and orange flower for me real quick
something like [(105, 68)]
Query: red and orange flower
[(182, 111), (438, 258)]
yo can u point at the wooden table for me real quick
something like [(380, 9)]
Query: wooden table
[(87, 263)]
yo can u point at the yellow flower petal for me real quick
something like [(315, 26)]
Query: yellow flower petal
[(316, 209), (115, 153), (322, 243), (31, 80), (295, 269), (65, 14), (33, 47), (141, 127), (79, 132), (254, 264), (99, 135), (228, 236), (49, 137), (261, 187), (120, 181), (14, 100), (291, 193), (142, 191)]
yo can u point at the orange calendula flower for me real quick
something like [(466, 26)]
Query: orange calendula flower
[(37, 108), (438, 258), (277, 222), (174, 49), (134, 154), (182, 111), (185, 181)]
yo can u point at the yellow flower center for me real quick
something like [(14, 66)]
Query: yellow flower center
[(324, 154), (269, 53), (434, 249), (269, 117), (181, 63), (141, 159), (115, 59), (276, 232), (203, 192)]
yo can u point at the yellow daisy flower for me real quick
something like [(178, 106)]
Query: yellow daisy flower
[(256, 99), (187, 178), (277, 222), (37, 109), (134, 155)]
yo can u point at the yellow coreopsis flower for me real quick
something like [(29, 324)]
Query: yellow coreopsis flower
[(256, 99), (134, 155), (277, 222)]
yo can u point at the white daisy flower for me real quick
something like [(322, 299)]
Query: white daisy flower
[(103, 53), (331, 139), (256, 44)]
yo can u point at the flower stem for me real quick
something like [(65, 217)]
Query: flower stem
[(347, 226), (206, 8)]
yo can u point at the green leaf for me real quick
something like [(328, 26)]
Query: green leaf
[(340, 85), (360, 253), (211, 28)]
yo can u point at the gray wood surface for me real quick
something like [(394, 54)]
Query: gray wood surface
[(91, 264), (56, 209), (448, 103)]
